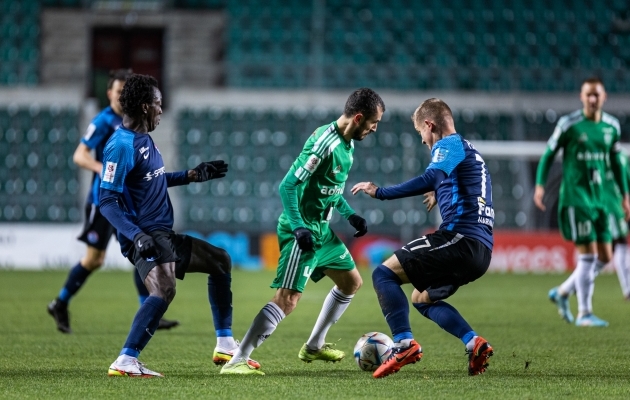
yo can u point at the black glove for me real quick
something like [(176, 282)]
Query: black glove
[(304, 239), (358, 223), (145, 245), (210, 170)]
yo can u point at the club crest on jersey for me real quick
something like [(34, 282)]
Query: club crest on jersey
[(607, 136), (336, 170), (439, 155), (312, 163), (110, 172)]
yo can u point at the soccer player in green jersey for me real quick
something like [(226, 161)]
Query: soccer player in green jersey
[(618, 230), (310, 192), (590, 140)]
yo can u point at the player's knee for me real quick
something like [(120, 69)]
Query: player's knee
[(166, 292), (423, 308), (352, 286), (169, 294), (382, 274), (92, 263)]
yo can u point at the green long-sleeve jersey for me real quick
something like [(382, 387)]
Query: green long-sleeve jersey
[(590, 149), (315, 183)]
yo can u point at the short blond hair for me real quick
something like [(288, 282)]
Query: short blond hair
[(433, 109)]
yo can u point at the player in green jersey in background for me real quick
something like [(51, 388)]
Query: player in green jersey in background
[(590, 140), (618, 229), (310, 192)]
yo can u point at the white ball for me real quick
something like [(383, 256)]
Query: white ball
[(372, 350)]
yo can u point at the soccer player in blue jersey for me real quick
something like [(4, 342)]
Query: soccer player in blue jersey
[(97, 230), (437, 264), (134, 198)]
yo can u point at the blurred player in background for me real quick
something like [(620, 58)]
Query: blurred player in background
[(97, 230), (590, 141), (134, 198), (310, 192), (437, 264), (618, 229)]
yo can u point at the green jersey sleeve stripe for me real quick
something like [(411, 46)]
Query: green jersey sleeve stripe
[(324, 140), (563, 125), (610, 120)]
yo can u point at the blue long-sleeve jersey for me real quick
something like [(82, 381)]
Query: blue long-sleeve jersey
[(463, 188), (134, 196), (96, 135)]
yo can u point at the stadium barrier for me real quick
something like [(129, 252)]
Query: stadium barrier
[(54, 246)]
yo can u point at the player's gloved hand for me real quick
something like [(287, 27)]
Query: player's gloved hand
[(145, 245), (304, 239), (358, 223), (210, 170)]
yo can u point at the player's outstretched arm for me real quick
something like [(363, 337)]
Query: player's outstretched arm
[(208, 170), (366, 187)]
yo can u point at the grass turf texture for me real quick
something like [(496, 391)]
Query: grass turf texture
[(537, 355)]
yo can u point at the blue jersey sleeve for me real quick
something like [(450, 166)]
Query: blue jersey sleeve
[(447, 153), (97, 132), (116, 216), (117, 162), (176, 178), (424, 183)]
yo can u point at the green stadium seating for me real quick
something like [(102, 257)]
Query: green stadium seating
[(38, 180)]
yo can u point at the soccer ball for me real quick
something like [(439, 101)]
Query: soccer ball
[(372, 350)]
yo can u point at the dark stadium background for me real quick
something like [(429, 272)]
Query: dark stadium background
[(248, 81)]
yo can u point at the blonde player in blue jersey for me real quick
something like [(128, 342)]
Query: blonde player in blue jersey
[(310, 192), (437, 264)]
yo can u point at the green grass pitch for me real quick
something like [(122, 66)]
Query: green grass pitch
[(537, 356)]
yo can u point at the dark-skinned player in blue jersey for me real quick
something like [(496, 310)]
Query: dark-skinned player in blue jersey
[(437, 264), (97, 230), (134, 198)]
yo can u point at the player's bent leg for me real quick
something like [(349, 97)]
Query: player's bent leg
[(58, 308), (337, 301), (130, 366)]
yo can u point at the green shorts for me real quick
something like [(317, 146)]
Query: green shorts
[(617, 223), (584, 225), (296, 266)]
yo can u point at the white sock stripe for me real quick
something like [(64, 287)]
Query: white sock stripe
[(339, 296), (273, 312)]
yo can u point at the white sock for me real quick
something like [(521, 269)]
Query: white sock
[(620, 260), (471, 344), (334, 305), (226, 342), (403, 343), (265, 322), (567, 287), (584, 282)]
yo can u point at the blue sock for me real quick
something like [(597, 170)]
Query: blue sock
[(393, 302), (448, 318), (143, 293), (144, 325), (220, 297), (76, 279)]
